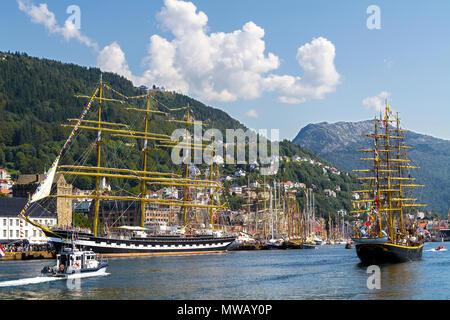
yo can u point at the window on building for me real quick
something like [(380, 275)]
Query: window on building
[(17, 233), (4, 233), (26, 233), (10, 222), (34, 233), (17, 222), (4, 222), (10, 233)]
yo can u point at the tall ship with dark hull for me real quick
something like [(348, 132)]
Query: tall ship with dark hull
[(389, 233), (185, 233)]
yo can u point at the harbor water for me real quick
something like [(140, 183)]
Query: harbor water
[(328, 272)]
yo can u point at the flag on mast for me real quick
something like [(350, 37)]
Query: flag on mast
[(2, 252)]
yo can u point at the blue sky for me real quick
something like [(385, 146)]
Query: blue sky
[(406, 59)]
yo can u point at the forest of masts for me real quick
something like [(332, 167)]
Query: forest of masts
[(272, 212)]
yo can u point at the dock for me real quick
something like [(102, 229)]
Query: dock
[(294, 244), (256, 246), (28, 255)]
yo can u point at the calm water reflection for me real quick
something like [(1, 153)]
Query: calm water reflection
[(330, 272)]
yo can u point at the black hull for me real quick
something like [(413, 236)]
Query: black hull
[(156, 245), (378, 253), (277, 247)]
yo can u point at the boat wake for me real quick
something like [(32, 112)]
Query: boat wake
[(435, 250), (35, 280), (25, 281)]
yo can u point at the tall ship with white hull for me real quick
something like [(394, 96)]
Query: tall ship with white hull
[(389, 233), (187, 233), (134, 246)]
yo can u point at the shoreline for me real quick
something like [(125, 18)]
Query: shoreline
[(28, 255)]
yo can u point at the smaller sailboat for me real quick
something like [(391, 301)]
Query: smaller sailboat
[(318, 241), (244, 238), (274, 242)]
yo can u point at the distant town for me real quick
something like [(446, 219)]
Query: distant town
[(62, 212)]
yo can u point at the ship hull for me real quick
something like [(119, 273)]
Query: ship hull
[(378, 253), (115, 247)]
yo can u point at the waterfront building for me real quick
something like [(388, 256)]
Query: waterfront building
[(116, 213), (81, 207), (12, 228), (26, 185)]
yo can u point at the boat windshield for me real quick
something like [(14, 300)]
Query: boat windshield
[(63, 259)]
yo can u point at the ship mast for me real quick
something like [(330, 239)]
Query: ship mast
[(144, 162), (99, 148), (388, 172)]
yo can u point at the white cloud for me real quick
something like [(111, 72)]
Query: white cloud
[(41, 15), (320, 76), (218, 66), (252, 113), (224, 67), (112, 58), (215, 67), (377, 102)]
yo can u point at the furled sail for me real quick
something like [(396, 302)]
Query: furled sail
[(46, 185), (44, 188)]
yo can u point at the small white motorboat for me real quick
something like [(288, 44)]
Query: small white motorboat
[(73, 263)]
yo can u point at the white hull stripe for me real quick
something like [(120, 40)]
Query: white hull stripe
[(93, 244)]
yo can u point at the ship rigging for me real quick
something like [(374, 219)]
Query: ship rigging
[(102, 241)]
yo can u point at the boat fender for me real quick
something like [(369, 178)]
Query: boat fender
[(61, 267), (76, 264)]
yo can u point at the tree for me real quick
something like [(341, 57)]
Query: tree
[(80, 220)]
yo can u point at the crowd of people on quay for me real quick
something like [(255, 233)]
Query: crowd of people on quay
[(21, 246)]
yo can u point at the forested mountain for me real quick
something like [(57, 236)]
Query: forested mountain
[(337, 142), (38, 95)]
